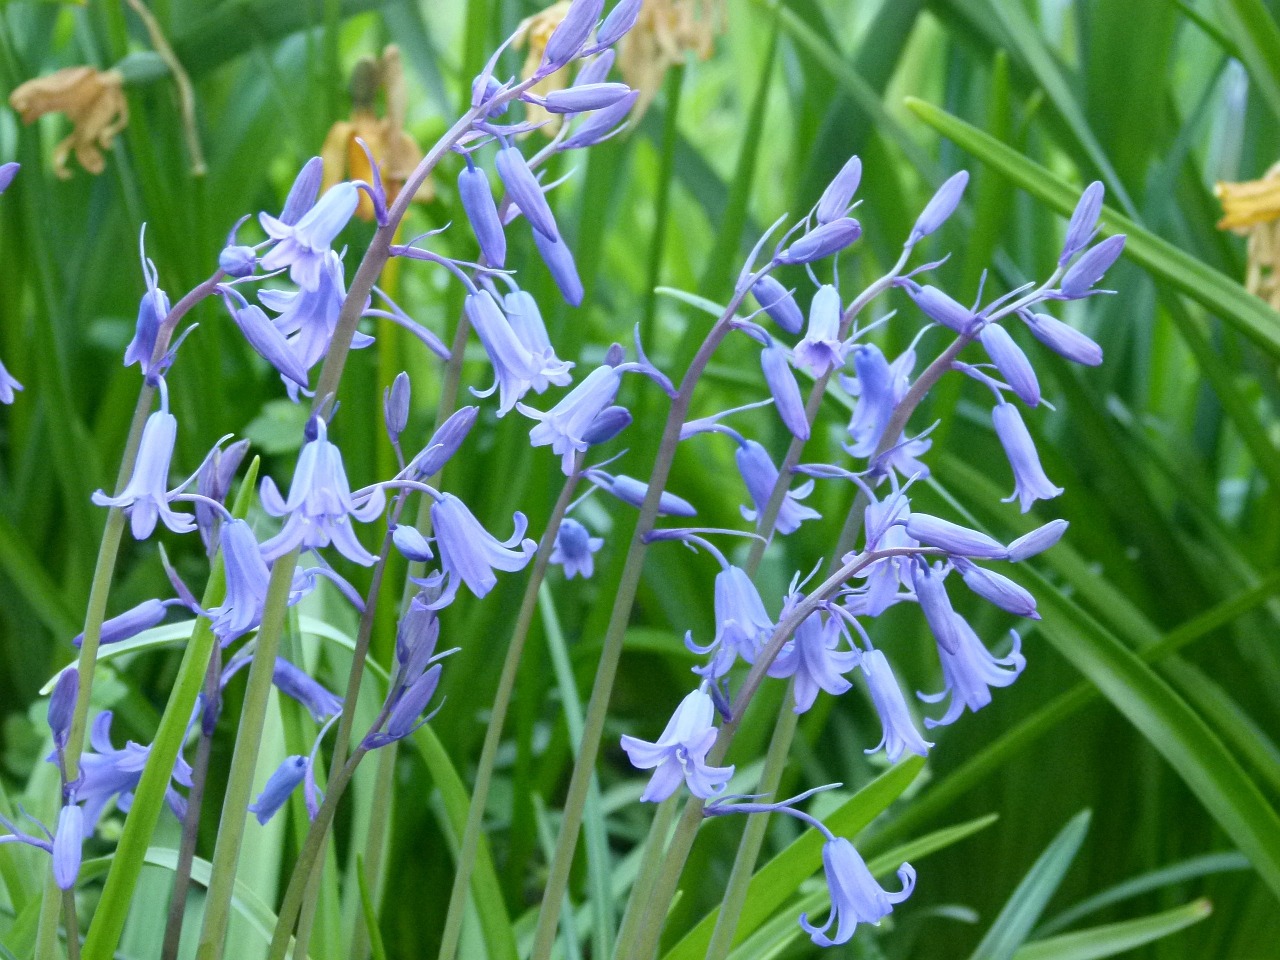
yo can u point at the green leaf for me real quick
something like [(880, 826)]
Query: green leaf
[(1257, 41), (1213, 290), (1019, 915), (1171, 726), (1114, 938), (498, 933), (777, 880), (1204, 866)]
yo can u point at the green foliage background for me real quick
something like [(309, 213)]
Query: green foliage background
[(1168, 451)]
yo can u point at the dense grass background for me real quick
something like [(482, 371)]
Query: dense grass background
[(1168, 451)]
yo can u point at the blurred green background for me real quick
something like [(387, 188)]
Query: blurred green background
[(1168, 451)]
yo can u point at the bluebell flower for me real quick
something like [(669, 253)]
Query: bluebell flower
[(482, 211), (582, 97), (145, 498), (570, 34), (680, 753), (931, 594), (563, 426), (822, 241), (308, 318), (152, 310), (266, 339), (10, 170), (107, 773), (1062, 339), (7, 385), (856, 896), (444, 443), (558, 257), (1037, 541), (601, 125), (514, 367), (526, 320), (941, 307), (395, 406), (1029, 479), (525, 191), (125, 626), (1084, 222), (882, 521), (416, 636), (320, 702), (407, 714), (62, 705), (68, 841), (940, 207), (997, 589), (953, 538), (247, 575), (469, 553), (303, 247), (1011, 362), (814, 660), (320, 505), (900, 733), (632, 491), (303, 192), (742, 623), (970, 671), (611, 422), (777, 301), (619, 21), (835, 200), (214, 482), (280, 785), (574, 549), (880, 386), (821, 349), (784, 390), (1079, 280), (760, 475)]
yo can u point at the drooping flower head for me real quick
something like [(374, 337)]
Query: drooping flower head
[(575, 548), (760, 475), (742, 623), (856, 896), (107, 773), (900, 733), (814, 660), (304, 246), (320, 507), (469, 553), (565, 425), (680, 753), (145, 497), (970, 671)]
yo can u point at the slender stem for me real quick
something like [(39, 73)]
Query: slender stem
[(611, 653), (72, 924), (191, 824), (310, 853), (493, 735), (47, 931), (650, 864), (346, 721), (744, 864), (244, 761), (375, 844)]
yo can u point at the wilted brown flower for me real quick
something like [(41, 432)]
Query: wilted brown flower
[(392, 147), (665, 32), (533, 34), (1252, 209), (93, 101)]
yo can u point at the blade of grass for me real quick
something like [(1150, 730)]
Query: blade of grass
[(1114, 938), (1257, 39), (1019, 915)]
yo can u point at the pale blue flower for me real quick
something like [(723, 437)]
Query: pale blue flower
[(574, 549), (469, 553), (970, 671), (760, 475), (565, 425), (856, 896), (900, 733), (107, 773), (304, 246), (1029, 479), (680, 753), (814, 660), (742, 623), (822, 350), (320, 507)]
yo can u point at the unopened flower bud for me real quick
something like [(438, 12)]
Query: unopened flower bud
[(395, 406)]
